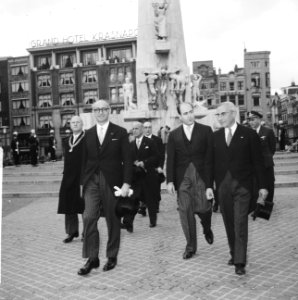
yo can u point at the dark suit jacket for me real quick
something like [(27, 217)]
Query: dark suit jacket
[(243, 158), (268, 143), (112, 158), (199, 153), (160, 148)]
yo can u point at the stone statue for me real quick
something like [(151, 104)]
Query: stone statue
[(178, 86), (160, 21), (195, 87), (151, 79), (163, 86), (128, 90)]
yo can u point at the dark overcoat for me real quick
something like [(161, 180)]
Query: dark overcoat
[(70, 201)]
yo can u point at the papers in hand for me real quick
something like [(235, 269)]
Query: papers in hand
[(117, 192)]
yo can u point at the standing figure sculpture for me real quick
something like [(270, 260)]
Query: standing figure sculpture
[(128, 91), (160, 21), (195, 89), (163, 85), (179, 82), (151, 79)]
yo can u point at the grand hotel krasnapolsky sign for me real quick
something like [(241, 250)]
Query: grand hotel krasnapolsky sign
[(83, 38)]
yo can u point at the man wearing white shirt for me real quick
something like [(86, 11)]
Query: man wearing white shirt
[(189, 172), (237, 159)]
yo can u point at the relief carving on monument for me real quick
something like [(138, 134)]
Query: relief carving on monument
[(179, 81), (160, 19)]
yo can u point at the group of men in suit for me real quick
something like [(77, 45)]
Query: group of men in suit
[(233, 159), (196, 158)]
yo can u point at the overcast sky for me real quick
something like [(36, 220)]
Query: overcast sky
[(214, 30)]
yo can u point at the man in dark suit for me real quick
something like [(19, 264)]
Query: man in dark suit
[(189, 171), (33, 145), (106, 164), (161, 152), (237, 159), (268, 143), (15, 148), (52, 145), (70, 201), (145, 179)]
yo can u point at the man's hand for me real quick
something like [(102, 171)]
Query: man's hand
[(81, 191), (209, 194), (263, 193), (125, 190), (171, 188), (159, 170)]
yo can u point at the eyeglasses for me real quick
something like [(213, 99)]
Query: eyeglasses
[(101, 110)]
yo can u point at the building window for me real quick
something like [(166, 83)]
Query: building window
[(45, 101), (240, 99), (90, 58), (223, 98), (113, 74), (90, 96), (267, 79), (240, 85), (66, 60), (20, 104), (20, 87), (266, 63), (120, 55), (255, 64), (231, 86), (67, 99), (212, 85), (67, 78), (89, 76), (66, 120), (44, 80), (256, 100), (222, 86), (204, 86), (45, 121), (116, 95), (19, 70), (21, 121), (209, 102), (255, 80), (232, 99), (44, 62)]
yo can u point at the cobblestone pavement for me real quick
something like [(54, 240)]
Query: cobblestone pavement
[(37, 265)]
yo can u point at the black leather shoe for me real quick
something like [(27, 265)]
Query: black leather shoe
[(90, 264), (129, 228), (142, 212), (240, 269), (122, 226), (152, 225), (110, 264), (209, 237), (70, 237), (231, 262), (187, 254)]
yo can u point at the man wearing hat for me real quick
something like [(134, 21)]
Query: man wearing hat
[(52, 145), (268, 144), (14, 145)]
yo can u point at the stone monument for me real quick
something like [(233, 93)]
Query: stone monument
[(162, 74)]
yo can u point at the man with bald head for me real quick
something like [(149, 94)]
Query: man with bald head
[(70, 201), (145, 181), (106, 163), (237, 159), (189, 172)]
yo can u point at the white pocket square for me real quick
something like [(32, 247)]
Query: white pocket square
[(146, 147), (241, 137), (114, 139)]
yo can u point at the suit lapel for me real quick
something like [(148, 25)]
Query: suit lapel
[(180, 136), (236, 135), (108, 137)]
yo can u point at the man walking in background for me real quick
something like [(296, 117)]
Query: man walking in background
[(268, 143), (70, 201)]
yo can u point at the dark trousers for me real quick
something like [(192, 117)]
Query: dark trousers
[(234, 201), (52, 153), (270, 183), (33, 156), (192, 200), (16, 158), (71, 224), (97, 194)]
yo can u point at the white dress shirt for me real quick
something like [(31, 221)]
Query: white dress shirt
[(233, 129), (102, 128), (188, 130)]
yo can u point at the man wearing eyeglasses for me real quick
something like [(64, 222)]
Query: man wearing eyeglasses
[(189, 172), (237, 159), (106, 164)]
